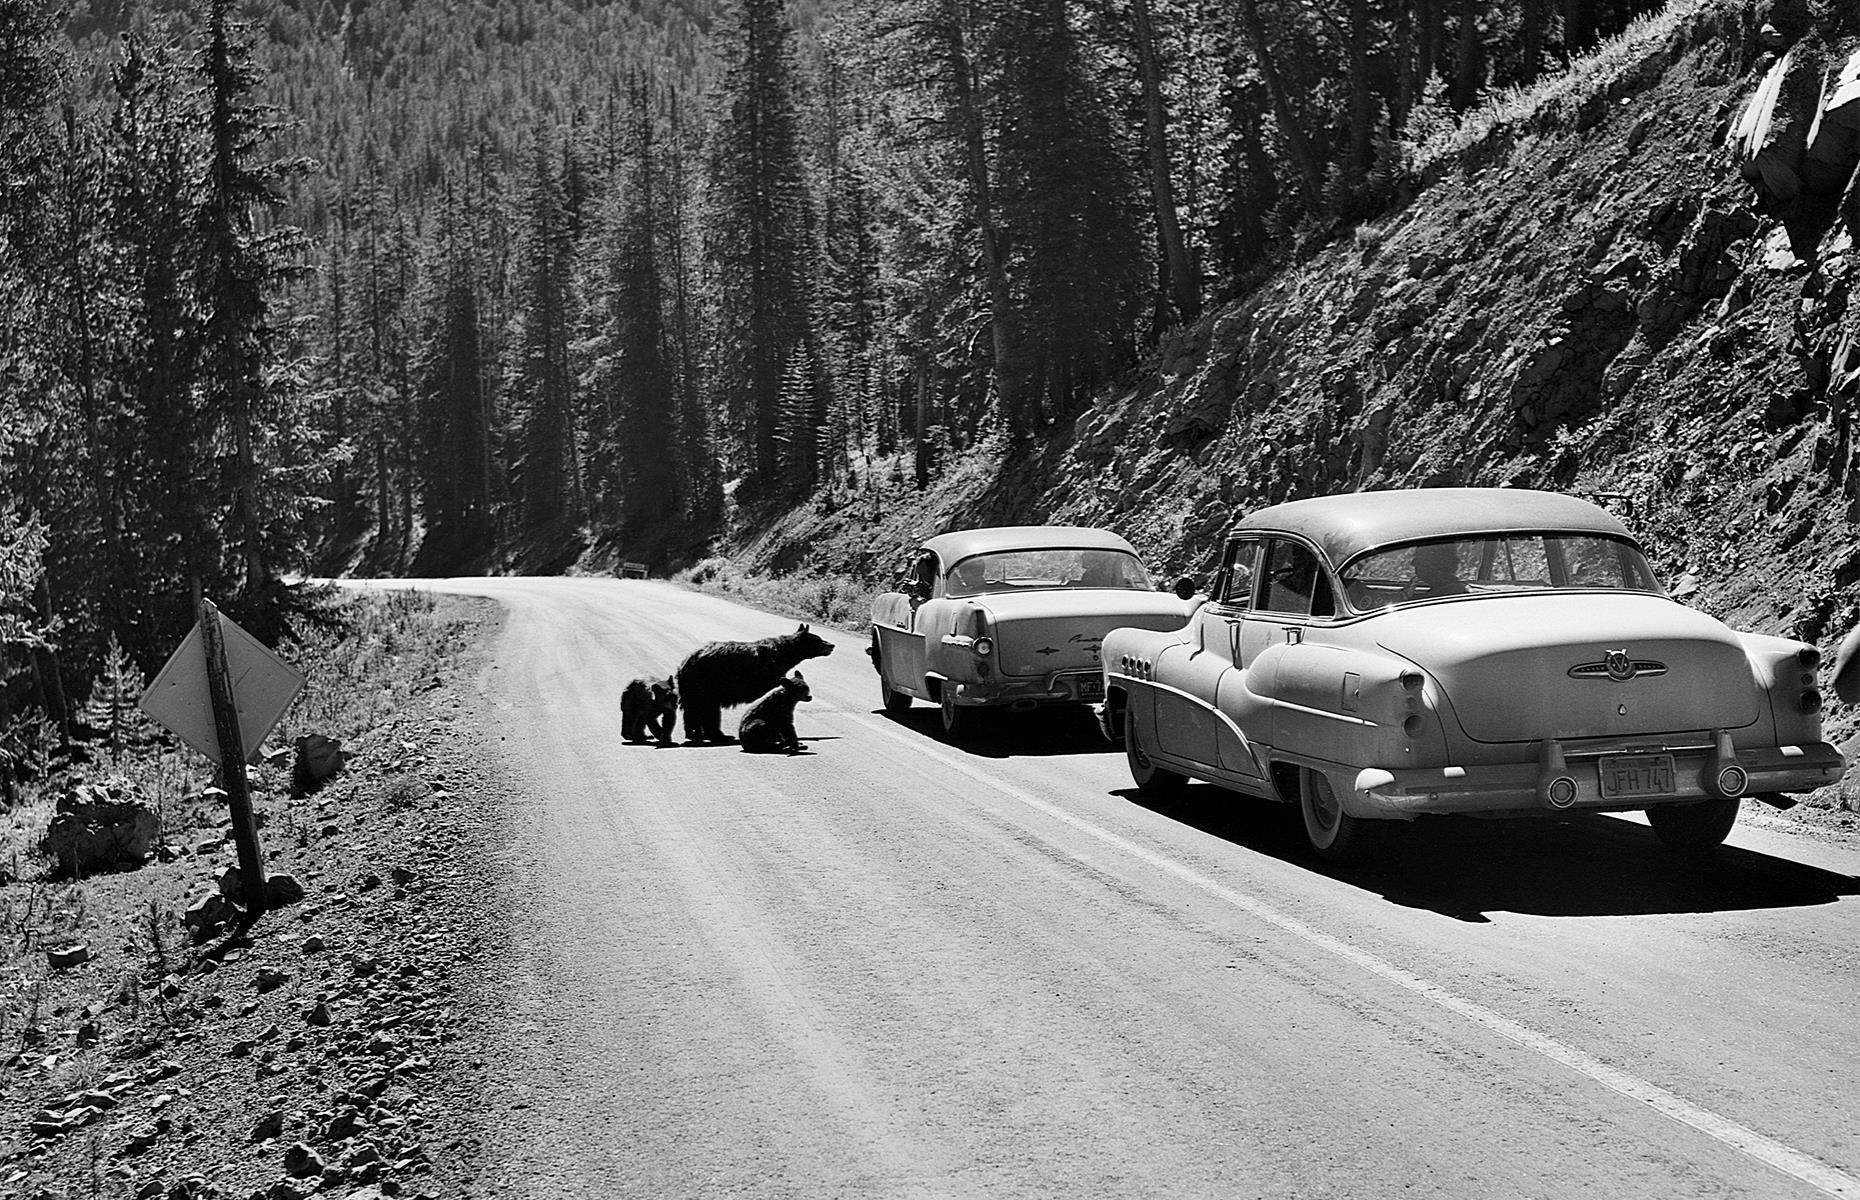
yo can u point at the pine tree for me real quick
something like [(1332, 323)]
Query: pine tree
[(1068, 196), (760, 248), (237, 263), (454, 434), (645, 390), (541, 385)]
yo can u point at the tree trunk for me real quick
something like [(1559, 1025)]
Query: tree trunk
[(1426, 43), (1468, 74), (968, 120), (1183, 288), (1309, 169), (1362, 102), (1531, 42), (1575, 29)]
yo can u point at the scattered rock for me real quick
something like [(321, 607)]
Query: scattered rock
[(269, 1126), (269, 979), (314, 944), (302, 1162), (100, 828), (209, 914), (231, 883), (318, 761), (64, 957), (283, 890)]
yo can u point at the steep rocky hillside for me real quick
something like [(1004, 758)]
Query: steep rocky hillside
[(1591, 297)]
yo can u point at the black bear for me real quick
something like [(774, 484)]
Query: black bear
[(648, 706), (768, 725), (724, 674)]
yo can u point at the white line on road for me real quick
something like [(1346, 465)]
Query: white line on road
[(1766, 1150)]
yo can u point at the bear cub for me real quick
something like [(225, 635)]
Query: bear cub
[(768, 726), (648, 706)]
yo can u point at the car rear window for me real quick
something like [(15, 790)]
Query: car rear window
[(1491, 564), (1037, 570)]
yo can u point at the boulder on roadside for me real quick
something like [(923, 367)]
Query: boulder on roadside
[(207, 915), (63, 957), (100, 827), (282, 890), (318, 760), (302, 1162)]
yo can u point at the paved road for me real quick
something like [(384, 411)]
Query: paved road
[(893, 967)]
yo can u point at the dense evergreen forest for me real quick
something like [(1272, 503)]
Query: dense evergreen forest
[(412, 286)]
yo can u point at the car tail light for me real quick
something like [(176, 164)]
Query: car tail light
[(1414, 725), (1811, 701), (1732, 780), (1809, 657), (984, 646), (1561, 792)]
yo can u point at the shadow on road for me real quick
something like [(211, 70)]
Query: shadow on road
[(990, 733), (1588, 865)]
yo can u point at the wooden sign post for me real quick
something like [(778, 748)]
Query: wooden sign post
[(232, 759)]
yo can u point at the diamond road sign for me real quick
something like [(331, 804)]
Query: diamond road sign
[(263, 686)]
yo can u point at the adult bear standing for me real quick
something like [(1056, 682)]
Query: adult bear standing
[(724, 674)]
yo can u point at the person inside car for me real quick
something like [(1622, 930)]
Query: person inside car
[(1436, 571)]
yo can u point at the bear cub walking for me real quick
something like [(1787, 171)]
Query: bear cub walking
[(724, 674), (768, 726), (648, 706)]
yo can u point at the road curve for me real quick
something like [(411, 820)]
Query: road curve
[(893, 967)]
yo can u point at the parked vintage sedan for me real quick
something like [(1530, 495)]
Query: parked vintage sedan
[(1382, 655), (1010, 618)]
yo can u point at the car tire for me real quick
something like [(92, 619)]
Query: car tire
[(1698, 826), (955, 720), (1333, 833), (1151, 778)]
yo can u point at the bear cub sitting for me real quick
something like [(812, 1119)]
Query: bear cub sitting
[(648, 705), (768, 726)]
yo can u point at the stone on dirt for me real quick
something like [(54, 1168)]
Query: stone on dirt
[(63, 957), (100, 827), (282, 890), (302, 1162), (319, 758), (206, 915)]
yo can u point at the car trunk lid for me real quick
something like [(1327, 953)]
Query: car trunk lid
[(1040, 632), (1518, 668)]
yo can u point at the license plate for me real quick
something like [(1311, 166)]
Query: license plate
[(1091, 689), (1624, 776)]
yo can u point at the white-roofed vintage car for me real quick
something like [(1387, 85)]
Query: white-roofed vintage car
[(1462, 650), (1010, 618)]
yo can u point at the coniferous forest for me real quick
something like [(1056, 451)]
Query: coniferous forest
[(411, 286)]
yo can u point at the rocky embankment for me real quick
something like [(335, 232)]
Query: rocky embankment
[(321, 1049)]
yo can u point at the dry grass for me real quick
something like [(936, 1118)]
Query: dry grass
[(828, 599), (1597, 74)]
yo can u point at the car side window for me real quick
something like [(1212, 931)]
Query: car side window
[(1295, 582), (921, 580), (1237, 575)]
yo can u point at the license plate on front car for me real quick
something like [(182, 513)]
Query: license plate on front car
[(1625, 776), (1091, 689)]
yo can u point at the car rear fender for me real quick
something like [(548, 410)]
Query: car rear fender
[(1786, 671), (1352, 705)]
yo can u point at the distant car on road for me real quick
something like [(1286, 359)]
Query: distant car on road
[(1010, 618), (1462, 650)]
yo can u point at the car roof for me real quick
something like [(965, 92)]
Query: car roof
[(1346, 525), (960, 544)]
